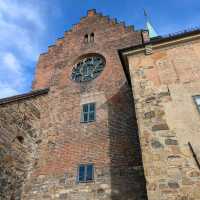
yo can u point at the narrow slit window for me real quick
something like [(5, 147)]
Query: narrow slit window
[(197, 101), (92, 37), (88, 113), (85, 173), (86, 38)]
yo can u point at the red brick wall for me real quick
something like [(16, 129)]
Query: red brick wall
[(111, 142), (109, 36)]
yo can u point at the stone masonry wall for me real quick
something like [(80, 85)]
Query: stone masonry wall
[(163, 85), (111, 142), (19, 137)]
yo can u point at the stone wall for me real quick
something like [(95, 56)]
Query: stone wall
[(19, 136), (163, 84), (111, 142)]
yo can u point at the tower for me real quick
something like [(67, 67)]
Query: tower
[(88, 145)]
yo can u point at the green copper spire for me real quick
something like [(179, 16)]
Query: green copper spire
[(149, 27), (152, 32)]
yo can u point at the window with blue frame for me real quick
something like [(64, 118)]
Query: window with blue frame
[(88, 113), (85, 173)]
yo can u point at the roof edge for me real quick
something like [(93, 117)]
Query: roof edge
[(28, 95), (161, 39)]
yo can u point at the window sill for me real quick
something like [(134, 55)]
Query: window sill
[(82, 182), (82, 122)]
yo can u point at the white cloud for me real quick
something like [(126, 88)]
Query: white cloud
[(11, 62), (15, 36), (17, 10), (20, 25), (11, 74), (21, 29)]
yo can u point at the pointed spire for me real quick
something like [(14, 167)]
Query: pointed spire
[(152, 32), (149, 26)]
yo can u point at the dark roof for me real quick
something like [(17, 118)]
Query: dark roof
[(177, 35), (166, 38), (24, 96)]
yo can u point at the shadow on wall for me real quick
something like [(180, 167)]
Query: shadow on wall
[(127, 176), (17, 136), (12, 171)]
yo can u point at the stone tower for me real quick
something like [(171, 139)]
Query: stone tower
[(88, 145)]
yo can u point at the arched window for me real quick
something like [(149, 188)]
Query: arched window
[(86, 38), (20, 139), (92, 37)]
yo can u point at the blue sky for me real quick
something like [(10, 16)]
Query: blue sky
[(27, 27)]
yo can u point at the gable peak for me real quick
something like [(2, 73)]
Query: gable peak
[(91, 12)]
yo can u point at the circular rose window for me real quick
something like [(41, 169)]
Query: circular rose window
[(88, 68)]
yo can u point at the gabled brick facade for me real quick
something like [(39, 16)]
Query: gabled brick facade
[(62, 142)]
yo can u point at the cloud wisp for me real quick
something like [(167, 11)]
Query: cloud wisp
[(21, 26)]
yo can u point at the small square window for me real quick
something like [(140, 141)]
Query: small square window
[(88, 113), (85, 173), (197, 101)]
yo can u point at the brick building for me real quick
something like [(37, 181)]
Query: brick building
[(112, 115)]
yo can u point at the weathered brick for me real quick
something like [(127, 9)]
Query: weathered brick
[(171, 142), (149, 115), (160, 127), (173, 185), (55, 142), (156, 144)]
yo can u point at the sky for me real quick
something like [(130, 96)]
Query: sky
[(28, 27)]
